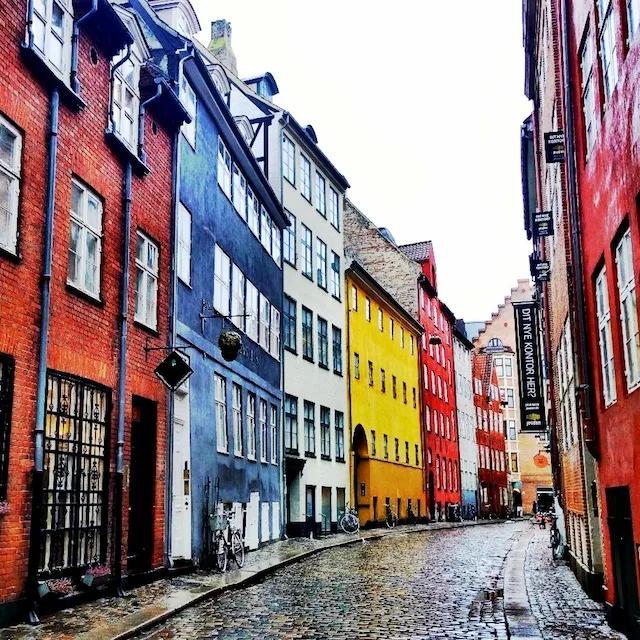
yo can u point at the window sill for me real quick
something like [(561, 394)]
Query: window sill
[(342, 460), (323, 366), (238, 455), (324, 215), (124, 152), (264, 461), (336, 228), (50, 78), (337, 373), (309, 454), (290, 350), (291, 452), (335, 297), (186, 284), (325, 457), (293, 265), (9, 255), (147, 328), (251, 459), (98, 302), (308, 359), (324, 287), (292, 183), (222, 452)]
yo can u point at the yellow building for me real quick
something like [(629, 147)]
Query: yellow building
[(384, 393)]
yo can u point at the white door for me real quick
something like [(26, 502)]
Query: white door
[(181, 486), (253, 515)]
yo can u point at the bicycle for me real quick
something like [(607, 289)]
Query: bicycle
[(411, 516), (391, 519), (554, 539), (227, 541), (349, 521)]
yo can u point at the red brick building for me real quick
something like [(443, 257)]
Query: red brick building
[(439, 398), (84, 215), (490, 438)]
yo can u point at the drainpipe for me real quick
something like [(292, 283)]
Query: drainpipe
[(29, 32), (41, 396), (584, 386), (122, 373), (75, 85), (173, 294), (143, 108)]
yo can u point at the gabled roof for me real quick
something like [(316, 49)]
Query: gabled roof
[(482, 368), (418, 251)]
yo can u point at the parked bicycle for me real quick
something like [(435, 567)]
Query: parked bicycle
[(227, 543), (349, 521), (555, 539), (391, 519), (411, 516)]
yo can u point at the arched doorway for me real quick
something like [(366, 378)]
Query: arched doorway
[(361, 474)]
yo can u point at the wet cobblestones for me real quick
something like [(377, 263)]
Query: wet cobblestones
[(443, 584)]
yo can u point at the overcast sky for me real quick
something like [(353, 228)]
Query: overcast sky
[(419, 105)]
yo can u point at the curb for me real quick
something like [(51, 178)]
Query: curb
[(241, 582)]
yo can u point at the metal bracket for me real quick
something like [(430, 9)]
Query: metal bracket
[(177, 347), (207, 306)]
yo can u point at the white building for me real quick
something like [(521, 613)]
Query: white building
[(462, 353), (311, 190)]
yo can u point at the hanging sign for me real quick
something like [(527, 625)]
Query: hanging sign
[(540, 269), (531, 398), (173, 370), (554, 147), (542, 224)]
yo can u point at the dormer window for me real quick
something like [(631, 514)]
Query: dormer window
[(51, 32), (126, 98)]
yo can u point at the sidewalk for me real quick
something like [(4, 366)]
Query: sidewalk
[(119, 618)]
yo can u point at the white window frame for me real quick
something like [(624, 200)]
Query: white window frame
[(334, 208), (184, 244), (628, 311), (290, 253), (306, 243), (276, 244), (305, 177), (125, 98), (42, 25), (224, 168), (251, 426), (588, 92), (238, 444), (273, 427), (380, 320), (508, 367), (222, 281), (190, 103), (264, 432), (265, 323), (222, 433), (321, 194), (607, 363), (265, 229), (633, 17), (288, 160), (253, 212), (608, 47), (321, 255), (336, 288), (252, 309), (239, 192), (11, 171), (148, 266), (275, 333), (87, 231), (238, 281)]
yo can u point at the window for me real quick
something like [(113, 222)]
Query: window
[(633, 14), (309, 428), (354, 298), (265, 229), (514, 462), (305, 177), (356, 366), (307, 334), (275, 333), (6, 399), (380, 320), (411, 345), (264, 433), (510, 399), (604, 338), (608, 48), (335, 275), (290, 323), (404, 392), (334, 208), (323, 343), (289, 160), (273, 426), (322, 263), (438, 482), (321, 194), (237, 297), (10, 175), (221, 285), (251, 426), (85, 244), (383, 382), (224, 168), (373, 443), (628, 311), (51, 32), (508, 370), (370, 373), (289, 237), (402, 337), (238, 447), (189, 101), (385, 446), (184, 244), (265, 324), (394, 386), (253, 213), (325, 433), (252, 306), (498, 363), (306, 241), (417, 456), (146, 289), (444, 474), (222, 435), (406, 452), (126, 99), (367, 309), (276, 243), (588, 93), (337, 350), (397, 449), (239, 192), (339, 418), (415, 402), (291, 424)]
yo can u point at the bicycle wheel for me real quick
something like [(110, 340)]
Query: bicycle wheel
[(349, 523), (221, 552), (392, 520), (237, 549)]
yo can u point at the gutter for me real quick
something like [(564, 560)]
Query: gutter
[(75, 85), (45, 301)]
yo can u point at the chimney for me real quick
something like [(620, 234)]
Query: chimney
[(220, 45)]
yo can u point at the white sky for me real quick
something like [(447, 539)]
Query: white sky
[(419, 104)]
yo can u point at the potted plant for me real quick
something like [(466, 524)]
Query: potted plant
[(57, 587), (96, 575)]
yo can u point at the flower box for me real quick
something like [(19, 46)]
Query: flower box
[(96, 576), (55, 587)]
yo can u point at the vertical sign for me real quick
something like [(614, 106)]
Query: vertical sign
[(554, 147), (531, 398)]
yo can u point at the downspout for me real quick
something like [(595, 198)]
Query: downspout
[(352, 453), (29, 32), (75, 85), (143, 108), (122, 373), (41, 395), (584, 386), (173, 295)]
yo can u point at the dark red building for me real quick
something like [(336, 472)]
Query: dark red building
[(490, 438), (84, 215), (439, 399)]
